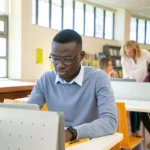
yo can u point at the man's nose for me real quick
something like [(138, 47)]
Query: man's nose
[(60, 64)]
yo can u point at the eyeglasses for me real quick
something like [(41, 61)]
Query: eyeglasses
[(66, 60)]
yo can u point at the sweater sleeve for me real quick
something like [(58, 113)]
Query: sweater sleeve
[(147, 78), (107, 121), (37, 94)]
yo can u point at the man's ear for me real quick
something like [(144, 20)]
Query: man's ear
[(82, 54)]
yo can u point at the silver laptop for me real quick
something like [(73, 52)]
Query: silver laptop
[(60, 144), (20, 106)]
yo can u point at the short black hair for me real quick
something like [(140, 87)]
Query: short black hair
[(66, 36)]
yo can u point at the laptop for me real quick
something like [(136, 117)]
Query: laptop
[(32, 108), (20, 106), (31, 129), (122, 80)]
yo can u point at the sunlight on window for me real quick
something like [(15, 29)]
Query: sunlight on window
[(141, 30), (89, 20), (3, 64), (68, 14), (108, 25), (33, 11), (1, 26), (3, 47), (78, 22), (43, 19), (148, 33), (133, 29), (99, 23), (56, 19)]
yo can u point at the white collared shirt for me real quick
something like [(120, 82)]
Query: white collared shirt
[(78, 79)]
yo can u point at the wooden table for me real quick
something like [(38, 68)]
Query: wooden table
[(11, 89), (101, 143)]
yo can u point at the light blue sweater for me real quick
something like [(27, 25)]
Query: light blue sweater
[(89, 108)]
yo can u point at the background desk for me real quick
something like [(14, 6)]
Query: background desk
[(14, 89), (136, 105), (101, 143)]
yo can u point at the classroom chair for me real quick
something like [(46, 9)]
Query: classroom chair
[(128, 142), (116, 147), (17, 101)]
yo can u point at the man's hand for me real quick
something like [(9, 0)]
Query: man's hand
[(68, 136)]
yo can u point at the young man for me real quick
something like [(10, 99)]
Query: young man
[(83, 94)]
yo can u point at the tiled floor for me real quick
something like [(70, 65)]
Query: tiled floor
[(147, 137)]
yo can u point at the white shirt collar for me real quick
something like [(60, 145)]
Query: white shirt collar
[(78, 79)]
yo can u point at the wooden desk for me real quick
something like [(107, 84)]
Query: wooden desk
[(14, 89), (136, 105), (101, 143)]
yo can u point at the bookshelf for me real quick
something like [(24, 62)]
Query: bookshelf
[(113, 53), (90, 60)]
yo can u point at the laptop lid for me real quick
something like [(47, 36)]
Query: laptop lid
[(20, 106), (122, 80), (30, 129)]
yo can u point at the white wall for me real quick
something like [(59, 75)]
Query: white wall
[(15, 40), (33, 36)]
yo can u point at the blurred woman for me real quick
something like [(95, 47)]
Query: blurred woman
[(106, 65), (134, 62)]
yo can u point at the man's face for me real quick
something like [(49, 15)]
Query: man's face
[(65, 52)]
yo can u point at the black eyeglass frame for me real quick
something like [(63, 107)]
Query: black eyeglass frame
[(69, 59)]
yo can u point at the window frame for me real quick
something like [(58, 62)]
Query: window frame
[(145, 29), (5, 36), (73, 17)]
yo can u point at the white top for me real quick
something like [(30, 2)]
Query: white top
[(137, 70), (101, 143)]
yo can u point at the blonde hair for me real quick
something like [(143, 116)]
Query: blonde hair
[(103, 63), (133, 45)]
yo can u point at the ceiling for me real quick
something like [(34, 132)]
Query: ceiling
[(138, 7)]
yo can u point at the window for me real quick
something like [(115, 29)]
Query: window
[(141, 31), (133, 29), (68, 14), (79, 17), (33, 11), (108, 25), (99, 23), (148, 32), (3, 64), (43, 14), (71, 14), (56, 20), (3, 44), (89, 20)]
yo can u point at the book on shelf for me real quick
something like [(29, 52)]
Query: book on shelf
[(120, 73)]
